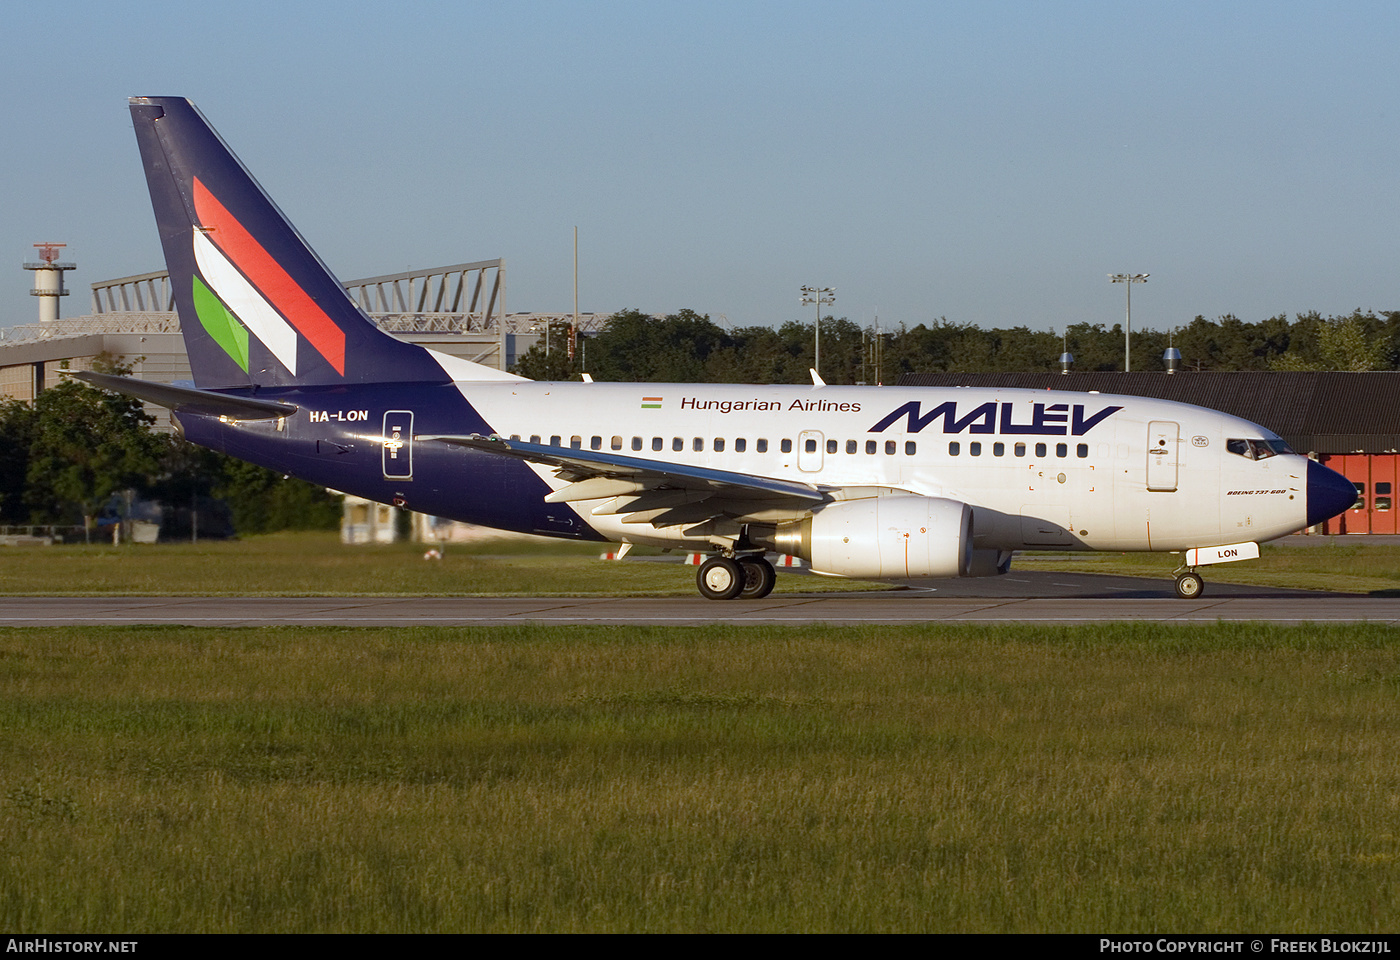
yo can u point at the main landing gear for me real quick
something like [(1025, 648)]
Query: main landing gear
[(749, 577)]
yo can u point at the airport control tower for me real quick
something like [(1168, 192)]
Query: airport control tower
[(48, 279)]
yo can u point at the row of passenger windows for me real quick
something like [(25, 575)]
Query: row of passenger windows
[(741, 444), (975, 448), (999, 449), (871, 447)]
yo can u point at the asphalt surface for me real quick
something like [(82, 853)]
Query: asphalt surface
[(1019, 597)]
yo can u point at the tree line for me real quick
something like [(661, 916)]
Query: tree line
[(65, 456), (688, 347)]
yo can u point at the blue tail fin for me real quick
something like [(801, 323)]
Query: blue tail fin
[(257, 306)]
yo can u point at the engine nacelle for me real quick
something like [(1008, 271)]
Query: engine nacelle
[(884, 537)]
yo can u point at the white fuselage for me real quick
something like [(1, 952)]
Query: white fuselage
[(1042, 469)]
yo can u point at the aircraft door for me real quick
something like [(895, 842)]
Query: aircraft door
[(398, 445), (809, 450), (1163, 455)]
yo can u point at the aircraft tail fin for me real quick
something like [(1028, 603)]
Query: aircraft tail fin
[(257, 306)]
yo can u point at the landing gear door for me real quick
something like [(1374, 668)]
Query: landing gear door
[(1163, 455), (398, 445)]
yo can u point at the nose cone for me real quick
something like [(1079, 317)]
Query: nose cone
[(1329, 493)]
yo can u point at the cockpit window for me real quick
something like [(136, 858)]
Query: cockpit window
[(1257, 449)]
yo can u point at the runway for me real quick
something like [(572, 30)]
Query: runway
[(1048, 598)]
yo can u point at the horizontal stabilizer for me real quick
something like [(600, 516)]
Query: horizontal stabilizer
[(189, 399)]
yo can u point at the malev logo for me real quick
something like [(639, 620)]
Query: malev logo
[(1045, 419), (244, 289)]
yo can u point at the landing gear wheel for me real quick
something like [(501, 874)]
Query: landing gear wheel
[(1189, 586), (759, 577), (720, 578)]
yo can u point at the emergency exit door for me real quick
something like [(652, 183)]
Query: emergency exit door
[(398, 445)]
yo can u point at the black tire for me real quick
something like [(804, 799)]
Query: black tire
[(720, 578), (1189, 586), (759, 578)]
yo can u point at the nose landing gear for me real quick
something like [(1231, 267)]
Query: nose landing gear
[(1189, 584)]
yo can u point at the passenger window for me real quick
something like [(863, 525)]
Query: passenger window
[(515, 436), (998, 449), (677, 444), (975, 448), (1061, 449), (656, 443), (1383, 488), (554, 440), (811, 446), (1081, 451), (1019, 449), (740, 444), (576, 442), (871, 446), (831, 446), (636, 443), (1382, 503), (616, 443), (534, 438), (850, 446), (719, 444), (761, 445), (787, 446), (596, 443), (954, 448), (910, 447), (1040, 449), (698, 444), (889, 448)]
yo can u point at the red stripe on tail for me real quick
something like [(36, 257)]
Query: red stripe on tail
[(267, 275)]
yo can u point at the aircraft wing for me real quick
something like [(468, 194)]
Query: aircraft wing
[(190, 399), (657, 492)]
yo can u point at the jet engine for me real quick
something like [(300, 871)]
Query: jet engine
[(884, 537)]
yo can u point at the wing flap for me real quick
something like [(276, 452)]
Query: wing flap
[(659, 492)]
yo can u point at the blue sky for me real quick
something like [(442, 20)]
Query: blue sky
[(988, 162)]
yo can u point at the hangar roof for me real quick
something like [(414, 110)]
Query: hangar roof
[(1315, 412)]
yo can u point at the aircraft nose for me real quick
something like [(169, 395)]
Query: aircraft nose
[(1329, 493)]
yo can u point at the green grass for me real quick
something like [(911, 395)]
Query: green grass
[(1340, 566), (1131, 777), (316, 564)]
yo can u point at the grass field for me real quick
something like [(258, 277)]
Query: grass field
[(318, 565), (1126, 778)]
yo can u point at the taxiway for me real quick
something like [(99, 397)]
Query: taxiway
[(1031, 597)]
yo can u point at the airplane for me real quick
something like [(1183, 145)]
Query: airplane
[(870, 482)]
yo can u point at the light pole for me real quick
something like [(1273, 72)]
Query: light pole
[(1128, 279), (819, 296)]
